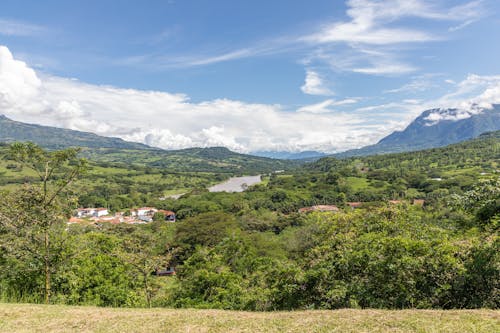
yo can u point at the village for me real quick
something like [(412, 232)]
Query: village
[(140, 215), (145, 215)]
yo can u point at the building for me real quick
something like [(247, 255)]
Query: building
[(145, 211), (169, 215), (91, 212)]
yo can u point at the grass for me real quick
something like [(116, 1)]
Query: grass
[(358, 183), (58, 318)]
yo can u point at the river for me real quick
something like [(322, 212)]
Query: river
[(236, 184)]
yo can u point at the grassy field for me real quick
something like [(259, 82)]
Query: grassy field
[(55, 318)]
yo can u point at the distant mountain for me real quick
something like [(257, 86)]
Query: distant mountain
[(213, 159), (114, 150), (435, 128), (58, 138), (286, 155)]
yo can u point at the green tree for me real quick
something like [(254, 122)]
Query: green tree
[(32, 218), (143, 251)]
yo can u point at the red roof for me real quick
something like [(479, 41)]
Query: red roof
[(166, 212)]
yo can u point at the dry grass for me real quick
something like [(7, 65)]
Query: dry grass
[(55, 318)]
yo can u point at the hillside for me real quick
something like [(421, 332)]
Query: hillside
[(484, 149), (58, 138), (115, 150), (435, 128), (286, 155), (15, 318), (214, 159)]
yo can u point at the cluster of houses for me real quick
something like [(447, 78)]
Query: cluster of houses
[(355, 205), (133, 216)]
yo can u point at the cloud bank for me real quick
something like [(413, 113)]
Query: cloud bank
[(167, 120), (172, 121)]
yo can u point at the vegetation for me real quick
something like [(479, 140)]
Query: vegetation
[(254, 251), (214, 159), (14, 318)]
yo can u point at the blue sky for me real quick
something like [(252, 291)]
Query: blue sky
[(248, 75)]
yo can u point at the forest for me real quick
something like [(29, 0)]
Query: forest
[(412, 230)]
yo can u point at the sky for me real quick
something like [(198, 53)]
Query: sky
[(323, 75)]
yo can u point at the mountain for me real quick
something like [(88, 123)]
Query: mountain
[(58, 138), (435, 128), (212, 159), (114, 150), (286, 155)]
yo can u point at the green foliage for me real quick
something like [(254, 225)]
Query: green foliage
[(254, 250)]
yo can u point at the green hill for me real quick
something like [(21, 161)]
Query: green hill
[(115, 150), (214, 159), (58, 138)]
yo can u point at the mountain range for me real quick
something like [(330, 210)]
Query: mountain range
[(118, 151), (433, 128), (59, 138)]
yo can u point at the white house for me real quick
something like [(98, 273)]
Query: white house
[(101, 212), (91, 212), (146, 211)]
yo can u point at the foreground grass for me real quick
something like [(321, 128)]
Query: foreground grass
[(56, 318)]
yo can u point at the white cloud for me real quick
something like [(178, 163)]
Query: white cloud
[(18, 82), (172, 121), (372, 22), (168, 120), (473, 95), (16, 28), (314, 85), (417, 84), (452, 114), (366, 43), (385, 69), (324, 107), (372, 34)]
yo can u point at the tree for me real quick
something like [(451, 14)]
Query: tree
[(140, 250), (32, 218)]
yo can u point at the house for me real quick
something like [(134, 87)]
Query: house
[(146, 211), (102, 212), (169, 215), (91, 212), (145, 218)]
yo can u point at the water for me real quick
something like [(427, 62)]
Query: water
[(236, 184)]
